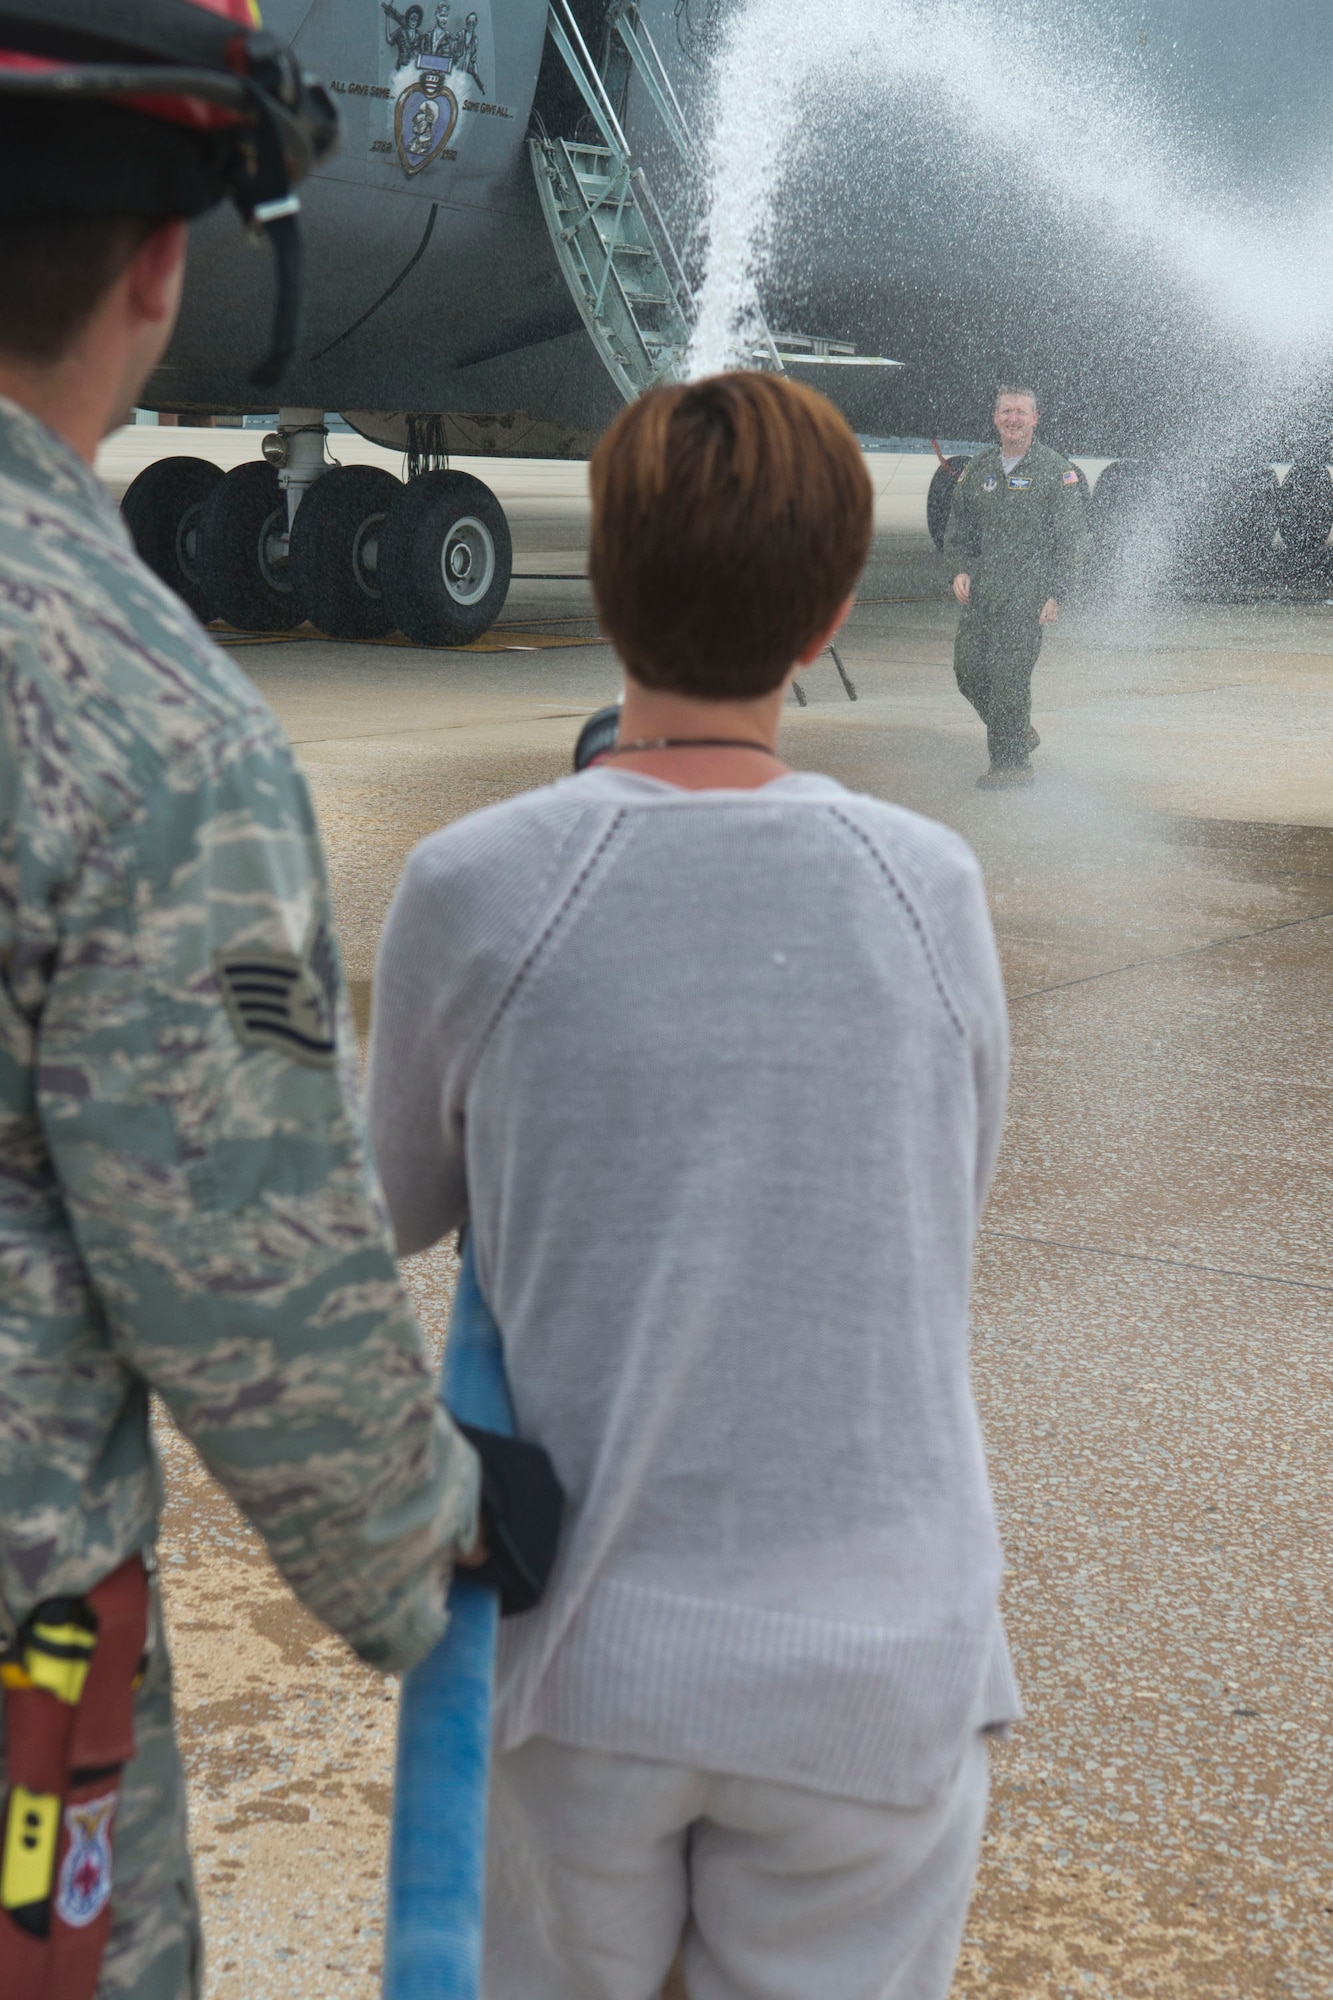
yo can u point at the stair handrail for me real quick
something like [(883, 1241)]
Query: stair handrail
[(665, 240), (652, 72), (624, 20), (569, 40), (613, 239), (654, 76)]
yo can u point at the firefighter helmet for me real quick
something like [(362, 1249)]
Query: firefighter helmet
[(177, 104)]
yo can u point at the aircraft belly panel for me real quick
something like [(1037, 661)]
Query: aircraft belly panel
[(435, 100), (483, 281)]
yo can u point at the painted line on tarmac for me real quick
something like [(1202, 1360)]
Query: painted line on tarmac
[(507, 639), (418, 732), (1144, 1257), (1169, 957)]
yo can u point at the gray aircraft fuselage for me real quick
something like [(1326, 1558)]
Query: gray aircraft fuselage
[(941, 256), (433, 166)]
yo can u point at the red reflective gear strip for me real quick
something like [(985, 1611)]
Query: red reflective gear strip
[(42, 1745), (183, 111), (102, 1743), (38, 1730), (174, 110), (23, 1964), (104, 1719)]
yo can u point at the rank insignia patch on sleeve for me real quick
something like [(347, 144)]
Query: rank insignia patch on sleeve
[(277, 1001)]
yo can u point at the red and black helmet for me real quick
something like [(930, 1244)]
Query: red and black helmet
[(160, 108)]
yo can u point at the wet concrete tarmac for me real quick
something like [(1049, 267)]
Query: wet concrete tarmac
[(1154, 1300)]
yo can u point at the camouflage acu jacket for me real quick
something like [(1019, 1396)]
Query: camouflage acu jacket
[(185, 1198)]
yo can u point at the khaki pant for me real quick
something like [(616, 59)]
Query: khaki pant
[(994, 654), (599, 1867), (153, 1952)]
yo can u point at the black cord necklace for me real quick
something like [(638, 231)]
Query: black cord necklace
[(689, 743)]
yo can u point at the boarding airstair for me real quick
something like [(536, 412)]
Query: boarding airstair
[(624, 275), (624, 256), (616, 249)]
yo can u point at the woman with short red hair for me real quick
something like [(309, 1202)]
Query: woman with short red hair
[(711, 1055)]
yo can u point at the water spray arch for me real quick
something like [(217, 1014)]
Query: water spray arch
[(984, 188)]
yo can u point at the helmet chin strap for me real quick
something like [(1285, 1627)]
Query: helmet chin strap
[(284, 235), (297, 126), (268, 203)]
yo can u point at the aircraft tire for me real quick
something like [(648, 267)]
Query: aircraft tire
[(338, 524), (1115, 482), (939, 496), (245, 584), (1109, 504), (1119, 500), (445, 559), (1305, 511), (1246, 525), (162, 509)]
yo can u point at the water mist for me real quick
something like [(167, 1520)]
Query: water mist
[(1088, 138)]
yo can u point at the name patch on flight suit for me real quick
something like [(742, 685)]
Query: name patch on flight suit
[(989, 483), (1016, 484)]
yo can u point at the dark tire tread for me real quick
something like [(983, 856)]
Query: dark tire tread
[(415, 532), (229, 531), (153, 507), (328, 520)]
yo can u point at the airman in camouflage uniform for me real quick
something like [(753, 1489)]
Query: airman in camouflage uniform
[(186, 1200), (1016, 537), (186, 1203)]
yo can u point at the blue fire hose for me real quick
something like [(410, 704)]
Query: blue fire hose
[(437, 1853)]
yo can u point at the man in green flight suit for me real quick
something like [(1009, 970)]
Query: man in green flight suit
[(1016, 538), (187, 1204)]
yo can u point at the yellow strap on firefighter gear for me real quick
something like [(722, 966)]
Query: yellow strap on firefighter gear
[(32, 1831), (57, 1658)]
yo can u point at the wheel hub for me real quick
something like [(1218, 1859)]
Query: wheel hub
[(187, 542), (274, 543), (366, 556), (467, 560)]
